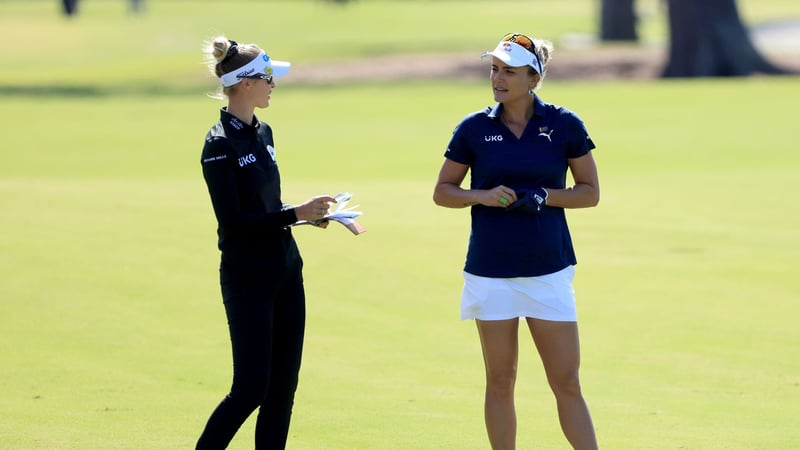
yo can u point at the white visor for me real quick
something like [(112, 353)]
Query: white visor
[(515, 55), (260, 65)]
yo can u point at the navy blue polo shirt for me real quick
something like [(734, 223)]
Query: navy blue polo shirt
[(505, 244), (244, 183)]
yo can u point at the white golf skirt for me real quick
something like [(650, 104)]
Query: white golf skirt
[(547, 297)]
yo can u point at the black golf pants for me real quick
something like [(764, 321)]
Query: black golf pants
[(266, 319)]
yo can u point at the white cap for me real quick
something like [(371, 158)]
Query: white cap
[(515, 55), (260, 65)]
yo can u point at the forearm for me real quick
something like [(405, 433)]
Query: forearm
[(451, 196), (235, 218), (581, 195)]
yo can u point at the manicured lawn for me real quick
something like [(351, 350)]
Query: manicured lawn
[(114, 335)]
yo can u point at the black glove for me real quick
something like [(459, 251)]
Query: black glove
[(529, 202)]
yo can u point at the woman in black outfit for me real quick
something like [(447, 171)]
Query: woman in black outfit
[(261, 268)]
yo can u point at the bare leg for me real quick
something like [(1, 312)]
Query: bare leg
[(559, 348), (499, 341)]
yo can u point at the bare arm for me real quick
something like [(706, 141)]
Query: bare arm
[(449, 193), (586, 191)]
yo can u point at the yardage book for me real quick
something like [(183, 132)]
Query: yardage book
[(342, 214)]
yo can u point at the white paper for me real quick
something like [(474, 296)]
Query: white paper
[(342, 214)]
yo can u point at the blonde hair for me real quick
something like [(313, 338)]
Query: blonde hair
[(544, 51), (223, 55)]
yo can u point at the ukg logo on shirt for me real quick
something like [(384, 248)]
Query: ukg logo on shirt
[(245, 160)]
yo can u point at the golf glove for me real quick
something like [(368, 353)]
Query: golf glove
[(529, 202)]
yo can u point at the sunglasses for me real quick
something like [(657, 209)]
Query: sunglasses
[(260, 76), (522, 40)]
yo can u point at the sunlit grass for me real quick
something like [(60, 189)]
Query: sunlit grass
[(114, 332)]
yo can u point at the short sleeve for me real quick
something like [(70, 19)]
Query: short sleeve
[(457, 149), (579, 142)]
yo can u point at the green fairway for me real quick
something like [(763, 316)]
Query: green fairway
[(114, 334)]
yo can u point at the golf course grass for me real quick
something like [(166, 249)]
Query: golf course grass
[(114, 334)]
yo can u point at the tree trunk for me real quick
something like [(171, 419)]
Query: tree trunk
[(618, 21), (708, 39), (70, 6)]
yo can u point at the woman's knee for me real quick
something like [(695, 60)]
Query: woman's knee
[(501, 382), (250, 393), (567, 383)]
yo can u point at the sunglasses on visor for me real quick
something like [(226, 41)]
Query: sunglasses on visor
[(522, 40)]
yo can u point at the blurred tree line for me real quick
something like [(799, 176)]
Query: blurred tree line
[(707, 38), (70, 7)]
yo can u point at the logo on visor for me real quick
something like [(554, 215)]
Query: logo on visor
[(268, 67), (245, 73), (507, 47)]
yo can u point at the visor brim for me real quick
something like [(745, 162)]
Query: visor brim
[(280, 68), (514, 55)]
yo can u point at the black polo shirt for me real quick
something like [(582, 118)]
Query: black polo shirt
[(243, 181)]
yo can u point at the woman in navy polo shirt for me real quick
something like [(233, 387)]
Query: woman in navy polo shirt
[(520, 261), (261, 268)]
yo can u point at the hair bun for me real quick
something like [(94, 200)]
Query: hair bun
[(220, 48)]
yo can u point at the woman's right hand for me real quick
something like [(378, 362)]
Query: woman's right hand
[(314, 209), (499, 196)]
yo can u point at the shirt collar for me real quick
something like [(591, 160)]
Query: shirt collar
[(538, 108), (233, 123)]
